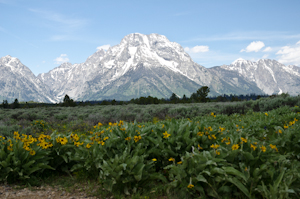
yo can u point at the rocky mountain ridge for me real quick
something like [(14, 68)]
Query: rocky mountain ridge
[(143, 65)]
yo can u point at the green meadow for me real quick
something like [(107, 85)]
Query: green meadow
[(248, 149)]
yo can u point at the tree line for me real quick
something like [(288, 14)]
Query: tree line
[(200, 96)]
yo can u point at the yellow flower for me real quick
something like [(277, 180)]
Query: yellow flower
[(280, 131), (190, 186), (273, 147), (218, 152), (210, 129), (214, 136), (228, 142), (209, 137), (137, 138), (199, 147), (106, 138), (171, 159), (263, 148), (214, 146), (179, 162), (285, 126), (88, 146), (253, 147), (244, 140), (223, 140), (128, 138), (32, 152), (266, 114), (166, 135), (163, 126), (154, 159), (200, 134), (237, 125), (235, 147), (246, 169)]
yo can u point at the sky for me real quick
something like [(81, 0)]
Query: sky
[(42, 34)]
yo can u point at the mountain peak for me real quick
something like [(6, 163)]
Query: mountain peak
[(239, 60)]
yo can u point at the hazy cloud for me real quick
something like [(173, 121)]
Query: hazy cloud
[(61, 59), (265, 56), (254, 46), (267, 49), (290, 54), (197, 49), (104, 47)]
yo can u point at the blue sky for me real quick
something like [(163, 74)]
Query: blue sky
[(43, 33)]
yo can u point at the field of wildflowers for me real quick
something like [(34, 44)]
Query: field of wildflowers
[(255, 155)]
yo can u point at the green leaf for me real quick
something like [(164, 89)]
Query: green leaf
[(138, 171), (239, 185), (279, 178), (76, 167), (201, 178), (217, 170), (28, 164), (233, 171)]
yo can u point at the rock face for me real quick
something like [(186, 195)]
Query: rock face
[(140, 65), (270, 76), (17, 81), (143, 65)]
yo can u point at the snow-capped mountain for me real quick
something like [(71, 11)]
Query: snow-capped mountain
[(17, 81), (269, 75), (140, 65), (143, 65)]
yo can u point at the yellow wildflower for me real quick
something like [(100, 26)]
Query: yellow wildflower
[(128, 138), (235, 147), (171, 159), (218, 152), (199, 147), (166, 134), (154, 159), (266, 114), (32, 152), (253, 147), (179, 162), (214, 146), (106, 138), (137, 138), (190, 186), (244, 140), (263, 148)]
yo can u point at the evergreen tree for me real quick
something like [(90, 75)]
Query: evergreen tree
[(16, 104)]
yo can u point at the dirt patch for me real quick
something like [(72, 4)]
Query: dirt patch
[(44, 192)]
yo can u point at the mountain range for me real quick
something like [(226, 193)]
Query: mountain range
[(143, 65)]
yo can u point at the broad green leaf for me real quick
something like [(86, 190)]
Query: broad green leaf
[(239, 185), (233, 171), (201, 178)]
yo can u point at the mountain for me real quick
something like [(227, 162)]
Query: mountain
[(143, 65), (268, 75), (140, 65), (17, 81)]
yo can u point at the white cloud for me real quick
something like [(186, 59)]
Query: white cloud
[(61, 59), (104, 47), (265, 56), (254, 46), (290, 54), (197, 49), (267, 49), (43, 62)]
